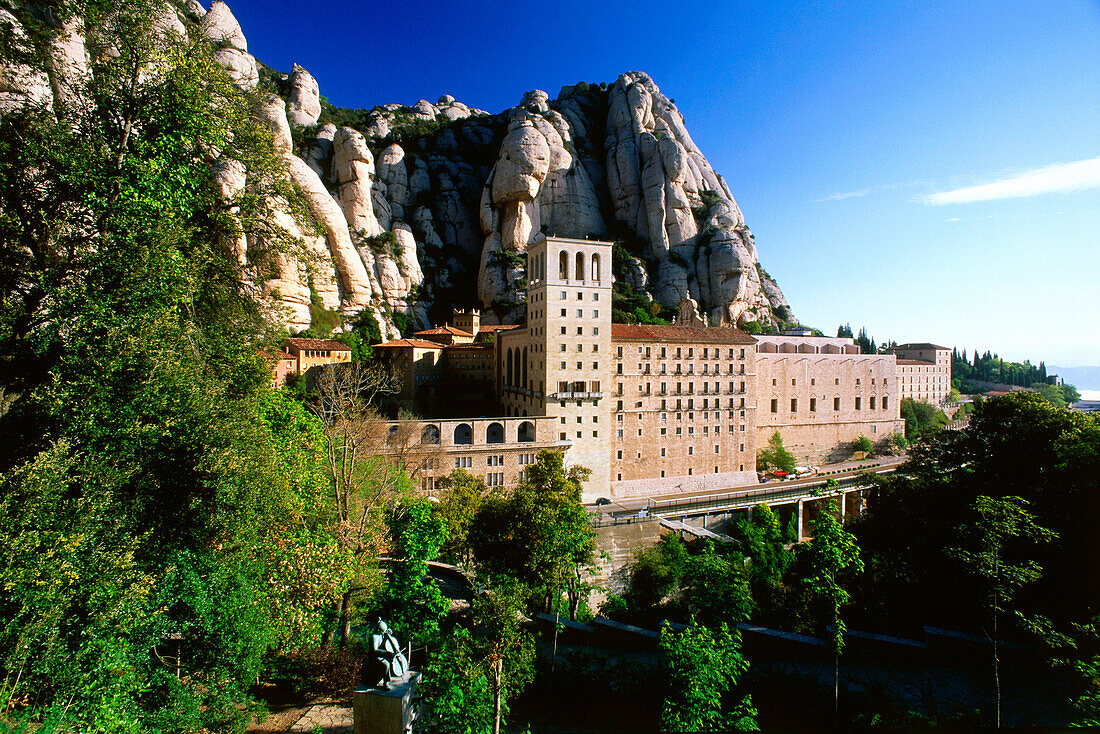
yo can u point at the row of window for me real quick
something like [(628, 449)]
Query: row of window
[(691, 471), (664, 451), (647, 389), (690, 405), (705, 352), (836, 404), (679, 431), (644, 369), (561, 436), (836, 381)]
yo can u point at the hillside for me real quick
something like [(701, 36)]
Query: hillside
[(415, 210)]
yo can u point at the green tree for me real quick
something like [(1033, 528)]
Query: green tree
[(703, 667), (715, 587), (863, 445), (470, 679), (538, 535), (775, 456), (1052, 393), (460, 495), (831, 554), (412, 599), (998, 524), (143, 497), (921, 418), (764, 541)]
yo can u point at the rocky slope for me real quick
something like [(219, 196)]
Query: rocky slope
[(419, 209)]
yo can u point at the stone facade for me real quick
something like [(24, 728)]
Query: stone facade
[(495, 449), (684, 417), (310, 353), (821, 394), (649, 409), (558, 364), (924, 372)]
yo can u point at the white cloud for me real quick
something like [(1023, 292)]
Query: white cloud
[(841, 196), (1076, 176)]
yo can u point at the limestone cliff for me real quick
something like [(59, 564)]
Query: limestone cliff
[(417, 209)]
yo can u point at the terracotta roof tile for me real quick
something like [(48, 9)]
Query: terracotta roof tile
[(680, 334), (329, 344), (444, 330), (493, 328), (418, 343)]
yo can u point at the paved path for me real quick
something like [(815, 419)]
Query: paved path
[(327, 718)]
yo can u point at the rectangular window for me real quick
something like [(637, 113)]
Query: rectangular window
[(858, 403), (884, 399), (775, 405), (563, 316), (794, 405), (871, 404), (813, 405), (836, 404)]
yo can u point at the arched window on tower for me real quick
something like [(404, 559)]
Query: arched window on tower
[(563, 265), (580, 266), (595, 268)]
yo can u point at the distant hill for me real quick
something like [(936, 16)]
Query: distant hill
[(1083, 378)]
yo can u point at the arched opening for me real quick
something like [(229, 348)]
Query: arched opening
[(494, 433), (392, 435), (595, 268), (563, 265), (580, 266), (523, 382), (526, 431), (430, 435), (464, 434), (508, 371)]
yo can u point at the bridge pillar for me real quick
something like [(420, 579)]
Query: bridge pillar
[(798, 510)]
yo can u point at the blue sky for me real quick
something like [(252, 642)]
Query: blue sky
[(851, 134)]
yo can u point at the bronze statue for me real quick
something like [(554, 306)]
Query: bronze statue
[(387, 662)]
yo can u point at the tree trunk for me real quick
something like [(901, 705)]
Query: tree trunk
[(996, 678), (343, 623), (498, 674)]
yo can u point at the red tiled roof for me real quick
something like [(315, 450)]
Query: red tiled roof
[(920, 362), (329, 344), (473, 346), (680, 334), (493, 328), (418, 343), (444, 330)]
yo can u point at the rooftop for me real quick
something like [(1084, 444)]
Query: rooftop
[(681, 334), (416, 343), (444, 330), (470, 347), (493, 328), (919, 345), (920, 362), (329, 344)]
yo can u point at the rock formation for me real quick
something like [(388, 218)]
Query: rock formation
[(431, 206)]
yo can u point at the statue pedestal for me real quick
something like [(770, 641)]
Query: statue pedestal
[(380, 711)]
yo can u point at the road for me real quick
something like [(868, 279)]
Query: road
[(630, 507)]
